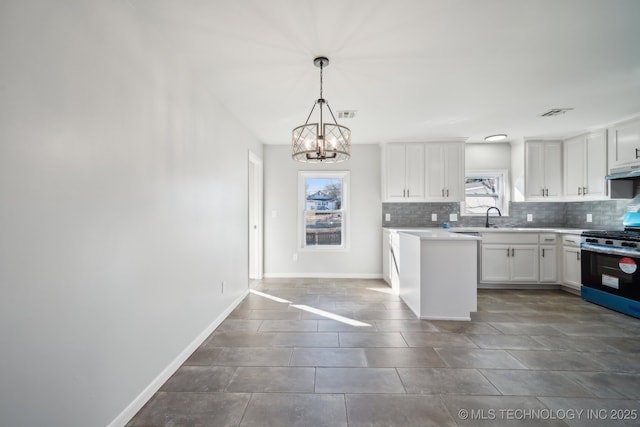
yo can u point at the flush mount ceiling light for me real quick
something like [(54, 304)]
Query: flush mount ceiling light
[(321, 142), (496, 138)]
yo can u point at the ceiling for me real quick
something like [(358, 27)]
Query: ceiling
[(413, 69)]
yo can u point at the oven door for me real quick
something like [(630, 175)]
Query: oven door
[(612, 270)]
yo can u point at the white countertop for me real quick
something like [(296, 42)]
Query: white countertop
[(454, 230), (439, 234)]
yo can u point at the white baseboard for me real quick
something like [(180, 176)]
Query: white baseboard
[(133, 408), (322, 276)]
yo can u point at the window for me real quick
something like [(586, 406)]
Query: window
[(323, 207), (484, 190)]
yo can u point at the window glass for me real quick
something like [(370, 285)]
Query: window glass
[(323, 213), (482, 191)]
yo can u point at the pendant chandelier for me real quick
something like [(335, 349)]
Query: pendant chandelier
[(321, 142)]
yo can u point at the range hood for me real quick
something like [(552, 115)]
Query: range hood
[(626, 172)]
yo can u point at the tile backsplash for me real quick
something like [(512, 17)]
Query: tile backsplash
[(606, 214)]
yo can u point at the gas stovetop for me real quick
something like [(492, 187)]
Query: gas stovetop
[(628, 234), (628, 238)]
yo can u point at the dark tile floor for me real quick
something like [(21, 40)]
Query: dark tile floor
[(329, 352)]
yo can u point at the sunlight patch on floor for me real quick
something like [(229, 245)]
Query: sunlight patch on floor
[(330, 315), (317, 311), (271, 297)]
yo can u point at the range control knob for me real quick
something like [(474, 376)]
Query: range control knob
[(590, 240), (629, 244), (608, 242)]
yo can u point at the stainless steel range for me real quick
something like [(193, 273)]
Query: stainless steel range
[(610, 273)]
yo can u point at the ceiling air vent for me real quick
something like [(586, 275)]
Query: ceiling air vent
[(555, 112), (346, 114)]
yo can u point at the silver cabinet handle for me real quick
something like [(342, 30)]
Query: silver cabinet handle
[(513, 252), (404, 193), (443, 192), (579, 191), (584, 191), (407, 192), (447, 192), (546, 192), (542, 252), (637, 153), (578, 256), (543, 192), (507, 252)]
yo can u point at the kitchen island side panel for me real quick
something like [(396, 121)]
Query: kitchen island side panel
[(449, 278)]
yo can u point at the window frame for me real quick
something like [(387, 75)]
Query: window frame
[(344, 210), (503, 197)]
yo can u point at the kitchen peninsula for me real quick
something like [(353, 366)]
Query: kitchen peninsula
[(439, 273)]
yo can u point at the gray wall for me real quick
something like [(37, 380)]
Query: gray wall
[(124, 206), (363, 258)]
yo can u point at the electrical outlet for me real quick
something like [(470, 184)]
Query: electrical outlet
[(529, 217), (589, 217), (434, 217), (453, 217), (387, 217), (295, 257)]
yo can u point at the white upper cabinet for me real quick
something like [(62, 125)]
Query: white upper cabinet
[(444, 171), (624, 144), (585, 166), (404, 172), (543, 170)]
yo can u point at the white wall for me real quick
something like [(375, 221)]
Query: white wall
[(487, 156), (124, 206), (363, 259)]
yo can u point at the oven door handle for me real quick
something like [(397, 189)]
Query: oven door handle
[(634, 253)]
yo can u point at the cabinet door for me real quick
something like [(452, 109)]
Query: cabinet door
[(574, 167), (524, 263), (548, 264), (625, 140), (395, 172), (534, 170), (495, 263), (386, 257), (596, 162), (414, 174), (454, 172), (553, 169), (435, 166), (571, 275)]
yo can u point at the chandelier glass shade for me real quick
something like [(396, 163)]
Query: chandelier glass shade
[(321, 142)]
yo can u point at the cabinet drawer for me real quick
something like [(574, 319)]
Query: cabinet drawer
[(571, 240), (548, 238), (510, 238)]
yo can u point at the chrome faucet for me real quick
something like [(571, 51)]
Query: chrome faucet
[(486, 224)]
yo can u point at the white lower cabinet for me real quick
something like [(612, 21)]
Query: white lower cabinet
[(571, 263), (509, 257), (519, 258), (509, 263), (548, 258), (548, 263), (386, 256), (390, 258), (495, 263)]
